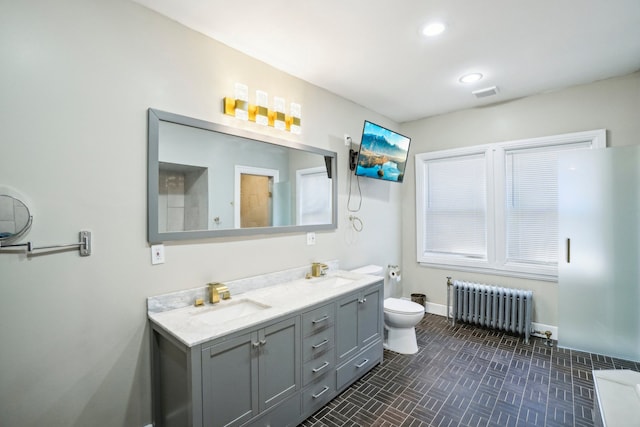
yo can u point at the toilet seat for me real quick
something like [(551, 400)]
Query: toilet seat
[(400, 306)]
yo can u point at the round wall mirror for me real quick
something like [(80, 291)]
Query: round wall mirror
[(15, 218)]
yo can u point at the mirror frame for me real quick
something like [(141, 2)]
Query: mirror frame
[(155, 236)]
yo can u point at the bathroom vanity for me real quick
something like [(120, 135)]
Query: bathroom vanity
[(271, 355)]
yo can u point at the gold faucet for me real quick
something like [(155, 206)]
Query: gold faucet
[(318, 269), (217, 291)]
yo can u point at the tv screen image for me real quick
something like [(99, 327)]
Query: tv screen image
[(383, 153)]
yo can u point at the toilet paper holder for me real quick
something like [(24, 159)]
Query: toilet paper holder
[(394, 272)]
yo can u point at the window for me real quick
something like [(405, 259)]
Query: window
[(494, 208), (313, 196)]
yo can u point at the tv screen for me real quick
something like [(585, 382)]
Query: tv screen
[(383, 153)]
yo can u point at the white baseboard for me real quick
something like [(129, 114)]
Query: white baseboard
[(439, 309), (538, 328)]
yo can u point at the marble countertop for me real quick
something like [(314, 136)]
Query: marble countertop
[(194, 325)]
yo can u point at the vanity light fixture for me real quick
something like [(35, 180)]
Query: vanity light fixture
[(470, 78), (242, 101), (278, 106), (433, 29), (262, 108), (240, 107), (294, 123)]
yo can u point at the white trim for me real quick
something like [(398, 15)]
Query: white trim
[(496, 272), (239, 170), (538, 329), (597, 138)]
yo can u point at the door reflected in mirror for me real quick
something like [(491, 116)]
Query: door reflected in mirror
[(208, 180), (255, 200)]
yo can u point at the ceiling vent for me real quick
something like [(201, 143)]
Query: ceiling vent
[(483, 93)]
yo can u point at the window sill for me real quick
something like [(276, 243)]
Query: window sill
[(493, 271)]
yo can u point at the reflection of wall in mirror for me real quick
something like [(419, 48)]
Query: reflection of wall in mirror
[(182, 198)]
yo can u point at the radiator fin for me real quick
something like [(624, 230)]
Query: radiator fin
[(494, 307)]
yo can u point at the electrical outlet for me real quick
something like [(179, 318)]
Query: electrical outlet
[(311, 238), (347, 140), (157, 254)]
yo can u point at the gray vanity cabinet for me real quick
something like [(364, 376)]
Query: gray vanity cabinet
[(248, 374), (318, 355), (359, 320), (230, 381), (359, 323), (276, 373)]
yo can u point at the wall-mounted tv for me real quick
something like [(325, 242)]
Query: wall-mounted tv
[(383, 153)]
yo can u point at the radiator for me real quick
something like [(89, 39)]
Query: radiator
[(492, 306)]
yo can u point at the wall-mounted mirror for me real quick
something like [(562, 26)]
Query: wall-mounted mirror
[(209, 180), (15, 218)]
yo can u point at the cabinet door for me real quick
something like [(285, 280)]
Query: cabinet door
[(230, 381), (369, 316), (279, 361), (347, 328)]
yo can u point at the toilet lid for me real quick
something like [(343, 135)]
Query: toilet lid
[(400, 306)]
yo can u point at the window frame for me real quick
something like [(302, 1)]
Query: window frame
[(495, 261)]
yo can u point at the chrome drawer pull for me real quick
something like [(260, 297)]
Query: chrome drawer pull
[(255, 344), (364, 362), (320, 368), (322, 319), (362, 301), (263, 342), (324, 390), (320, 344)]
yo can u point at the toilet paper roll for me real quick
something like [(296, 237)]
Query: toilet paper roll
[(395, 275)]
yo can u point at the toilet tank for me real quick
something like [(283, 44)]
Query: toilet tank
[(373, 270), (390, 289)]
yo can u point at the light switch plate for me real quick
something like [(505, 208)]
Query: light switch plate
[(311, 238), (157, 254)]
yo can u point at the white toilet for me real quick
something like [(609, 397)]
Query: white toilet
[(400, 318)]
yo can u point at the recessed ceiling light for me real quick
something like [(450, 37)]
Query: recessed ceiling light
[(470, 78), (433, 29)]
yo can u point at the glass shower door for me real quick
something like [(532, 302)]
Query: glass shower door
[(599, 266)]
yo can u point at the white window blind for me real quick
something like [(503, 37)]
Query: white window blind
[(494, 208), (456, 208), (531, 207), (313, 193)]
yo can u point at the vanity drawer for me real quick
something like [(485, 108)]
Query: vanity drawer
[(359, 365), (283, 415), (317, 395), (317, 344), (318, 319), (316, 368)]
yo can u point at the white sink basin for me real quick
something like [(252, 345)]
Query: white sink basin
[(333, 281), (228, 310)]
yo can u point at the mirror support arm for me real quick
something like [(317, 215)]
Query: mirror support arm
[(84, 246)]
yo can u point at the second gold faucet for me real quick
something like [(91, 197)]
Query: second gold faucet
[(218, 291), (318, 269)]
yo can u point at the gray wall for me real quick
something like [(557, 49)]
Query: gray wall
[(612, 104), (76, 80)]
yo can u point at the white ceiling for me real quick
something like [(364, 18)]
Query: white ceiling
[(372, 52)]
